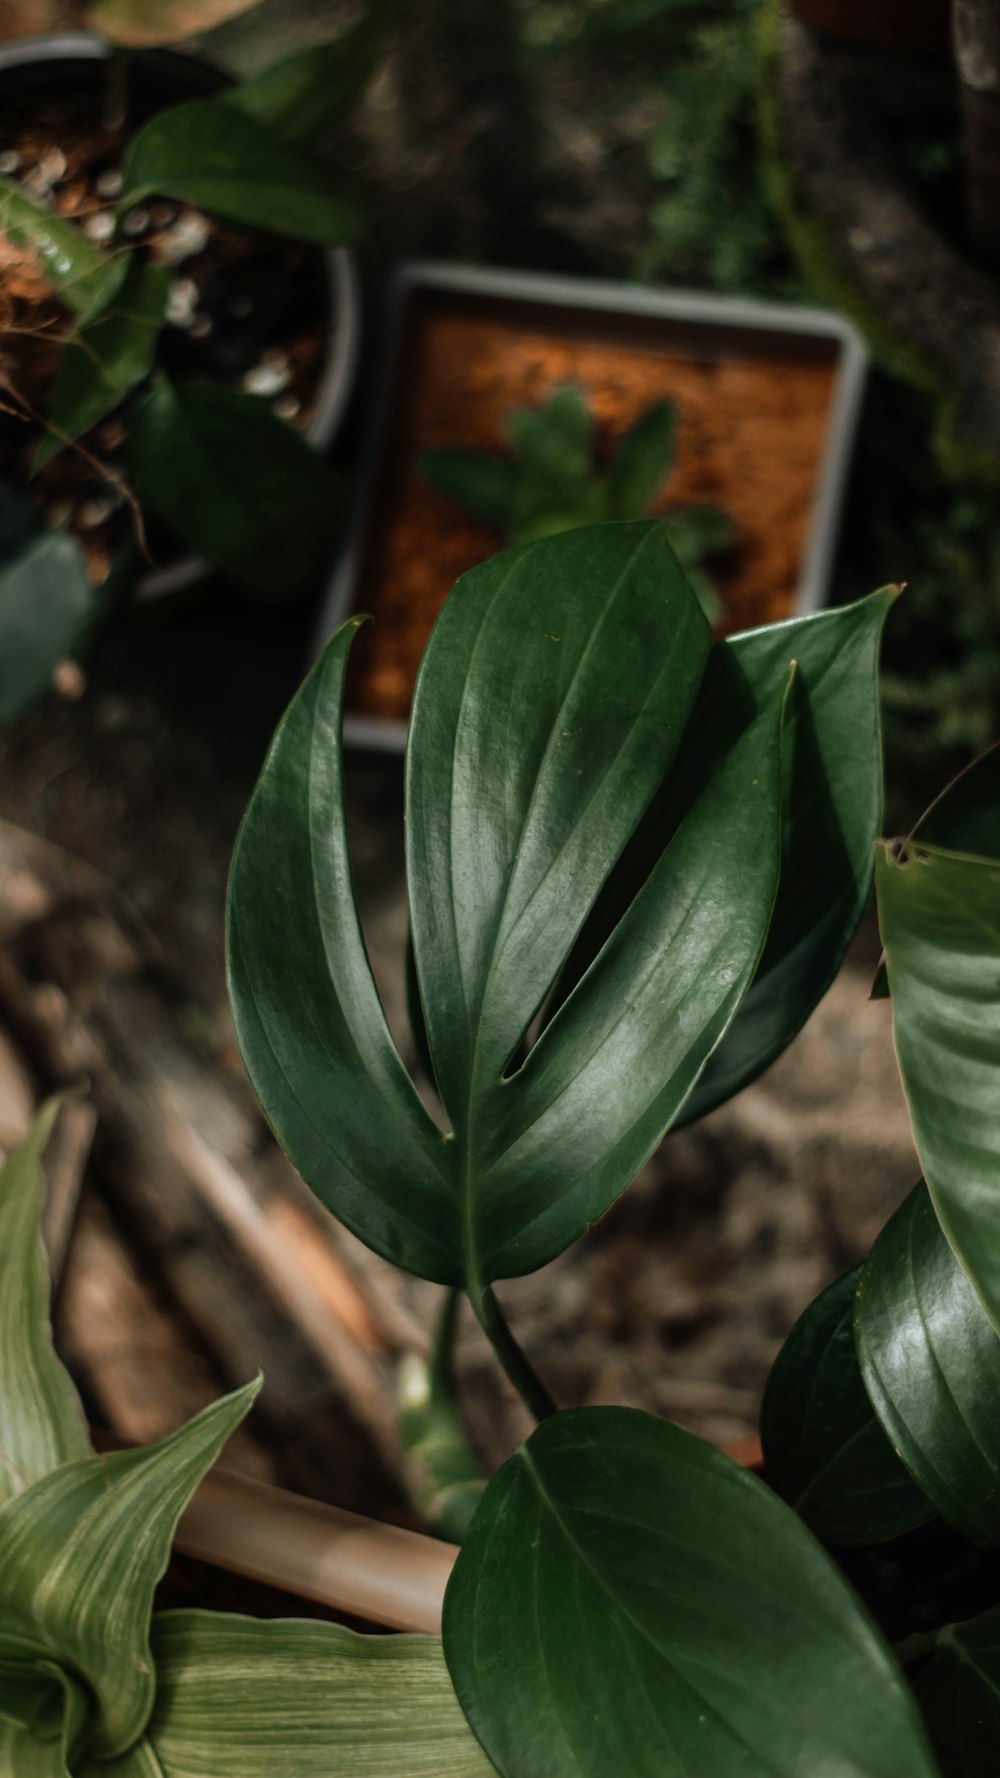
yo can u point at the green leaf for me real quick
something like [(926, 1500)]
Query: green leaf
[(41, 1421), (299, 94), (554, 443), (440, 1470), (143, 24), (630, 1601), (939, 914), (235, 483), (81, 1552), (79, 273), (931, 1365), (824, 1449), (698, 531), (959, 1693), (43, 1714), (106, 360), (209, 153), (833, 811), (551, 701), (45, 599), (642, 462), (482, 484), (240, 1697)]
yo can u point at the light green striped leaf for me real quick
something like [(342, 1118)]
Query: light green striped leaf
[(41, 1422), (81, 1552), (43, 1713)]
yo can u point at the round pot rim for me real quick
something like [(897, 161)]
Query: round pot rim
[(343, 345)]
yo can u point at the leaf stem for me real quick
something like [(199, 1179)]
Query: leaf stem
[(517, 1366)]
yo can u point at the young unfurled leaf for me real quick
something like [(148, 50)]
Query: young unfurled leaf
[(440, 1470), (144, 24), (629, 1601), (41, 1422), (233, 481), (80, 274), (552, 699), (105, 360), (45, 600), (81, 1552), (240, 1697), (940, 919), (824, 1449), (959, 1693), (210, 153), (931, 1365)]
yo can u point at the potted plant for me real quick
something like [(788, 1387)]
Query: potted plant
[(183, 310)]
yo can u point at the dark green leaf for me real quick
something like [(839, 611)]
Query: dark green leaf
[(824, 1449), (959, 1693), (629, 1601), (105, 360), (698, 531), (554, 443), (833, 810), (482, 484), (642, 462), (238, 1697), (931, 1365), (43, 1713), (442, 1476), (235, 483), (45, 599), (940, 918), (79, 273), (41, 1422), (209, 153), (81, 1552), (296, 96)]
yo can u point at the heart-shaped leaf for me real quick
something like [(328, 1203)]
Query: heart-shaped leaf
[(931, 1365), (81, 1552), (552, 699), (238, 1697), (106, 359), (212, 154), (45, 599), (630, 1601), (41, 1422), (959, 1693), (940, 918), (235, 483), (79, 273), (824, 1448)]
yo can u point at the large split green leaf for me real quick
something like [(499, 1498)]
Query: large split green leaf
[(552, 700), (959, 1693), (41, 1422), (241, 1698), (45, 600), (80, 274), (630, 1601), (824, 1448), (931, 1365), (105, 360), (210, 153), (81, 1552), (235, 483), (940, 919)]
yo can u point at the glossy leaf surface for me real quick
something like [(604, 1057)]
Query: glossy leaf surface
[(41, 1421), (80, 274), (931, 1365), (143, 24), (630, 1601), (108, 358), (239, 1697), (940, 918), (235, 483), (959, 1693), (824, 1448), (81, 1552), (45, 599), (212, 154), (833, 810)]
